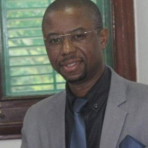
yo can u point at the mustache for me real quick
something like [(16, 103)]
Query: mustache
[(69, 57)]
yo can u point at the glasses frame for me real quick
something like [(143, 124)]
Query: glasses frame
[(62, 36)]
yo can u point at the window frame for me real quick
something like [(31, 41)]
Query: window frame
[(124, 65)]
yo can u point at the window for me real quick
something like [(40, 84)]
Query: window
[(26, 68), (21, 48)]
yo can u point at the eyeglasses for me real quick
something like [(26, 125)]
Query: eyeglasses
[(77, 36)]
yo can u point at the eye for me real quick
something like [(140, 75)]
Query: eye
[(79, 36), (55, 40)]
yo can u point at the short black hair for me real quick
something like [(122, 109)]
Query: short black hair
[(90, 7)]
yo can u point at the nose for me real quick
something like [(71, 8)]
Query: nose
[(67, 46)]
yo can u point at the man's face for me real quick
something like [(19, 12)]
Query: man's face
[(76, 60)]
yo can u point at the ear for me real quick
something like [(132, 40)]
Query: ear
[(104, 33)]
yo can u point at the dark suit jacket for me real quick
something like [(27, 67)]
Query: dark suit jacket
[(126, 114)]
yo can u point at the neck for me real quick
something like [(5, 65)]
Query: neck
[(81, 89)]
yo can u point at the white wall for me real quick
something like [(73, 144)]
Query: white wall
[(10, 144), (141, 24)]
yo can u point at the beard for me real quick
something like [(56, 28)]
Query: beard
[(77, 79)]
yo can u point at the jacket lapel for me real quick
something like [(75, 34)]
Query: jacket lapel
[(114, 115)]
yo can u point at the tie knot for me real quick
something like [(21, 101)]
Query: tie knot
[(79, 104)]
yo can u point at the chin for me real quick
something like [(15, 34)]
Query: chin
[(76, 79)]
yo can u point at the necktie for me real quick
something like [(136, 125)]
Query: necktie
[(78, 138)]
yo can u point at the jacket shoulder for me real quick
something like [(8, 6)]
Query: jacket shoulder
[(47, 106), (137, 89), (55, 99)]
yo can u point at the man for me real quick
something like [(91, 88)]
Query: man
[(115, 113)]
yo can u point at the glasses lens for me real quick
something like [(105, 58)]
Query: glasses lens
[(78, 36), (54, 40)]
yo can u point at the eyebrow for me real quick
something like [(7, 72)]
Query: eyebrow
[(77, 29)]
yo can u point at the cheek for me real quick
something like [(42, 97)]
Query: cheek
[(93, 51), (94, 54), (53, 58)]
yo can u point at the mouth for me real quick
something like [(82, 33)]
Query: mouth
[(71, 66)]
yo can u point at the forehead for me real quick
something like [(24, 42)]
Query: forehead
[(66, 20)]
